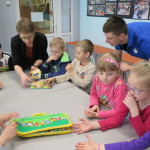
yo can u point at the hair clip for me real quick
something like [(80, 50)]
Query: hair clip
[(111, 61)]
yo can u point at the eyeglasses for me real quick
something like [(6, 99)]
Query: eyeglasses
[(136, 91), (27, 37)]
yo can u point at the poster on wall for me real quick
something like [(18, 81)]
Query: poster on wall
[(134, 9)]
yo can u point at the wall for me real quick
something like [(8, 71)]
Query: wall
[(91, 27)]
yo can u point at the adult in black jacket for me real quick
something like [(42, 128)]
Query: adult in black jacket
[(29, 49)]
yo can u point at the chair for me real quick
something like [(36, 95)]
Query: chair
[(92, 59)]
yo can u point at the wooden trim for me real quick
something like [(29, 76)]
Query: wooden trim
[(101, 50)]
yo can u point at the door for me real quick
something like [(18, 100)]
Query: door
[(52, 17)]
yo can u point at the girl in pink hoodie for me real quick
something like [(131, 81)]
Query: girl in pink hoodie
[(108, 88)]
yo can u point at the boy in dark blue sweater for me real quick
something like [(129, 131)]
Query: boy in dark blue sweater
[(58, 60)]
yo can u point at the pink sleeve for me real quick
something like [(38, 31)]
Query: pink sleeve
[(139, 125), (115, 120), (119, 94), (93, 94)]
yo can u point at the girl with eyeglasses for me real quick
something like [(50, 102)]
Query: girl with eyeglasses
[(137, 102)]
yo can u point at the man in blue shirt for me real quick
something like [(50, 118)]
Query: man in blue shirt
[(133, 38)]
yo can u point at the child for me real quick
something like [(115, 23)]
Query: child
[(107, 88), (9, 131), (137, 144), (136, 101), (81, 71), (56, 63), (6, 62)]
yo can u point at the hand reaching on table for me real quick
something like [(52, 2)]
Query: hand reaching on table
[(50, 80), (25, 80), (89, 145), (84, 126), (8, 133), (7, 117)]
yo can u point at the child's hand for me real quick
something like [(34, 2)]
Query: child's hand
[(89, 145), (129, 101), (95, 108), (50, 80), (7, 117), (85, 126), (69, 68), (91, 114), (8, 133), (52, 57), (1, 84)]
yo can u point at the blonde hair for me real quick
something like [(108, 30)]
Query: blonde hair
[(86, 45), (25, 25), (104, 65), (142, 70), (57, 42)]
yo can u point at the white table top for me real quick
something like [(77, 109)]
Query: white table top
[(63, 98), (12, 86)]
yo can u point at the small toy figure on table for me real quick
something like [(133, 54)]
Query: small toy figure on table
[(41, 84), (35, 74)]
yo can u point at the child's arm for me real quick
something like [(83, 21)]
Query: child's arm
[(139, 121), (8, 133), (50, 80), (89, 145), (85, 126), (88, 77), (137, 144), (93, 93), (119, 94), (94, 103), (7, 117), (45, 66), (61, 71), (115, 120)]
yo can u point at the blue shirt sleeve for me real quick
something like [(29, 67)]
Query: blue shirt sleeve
[(61, 71), (118, 47), (137, 144), (44, 67)]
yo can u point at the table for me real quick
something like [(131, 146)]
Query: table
[(12, 86), (70, 99)]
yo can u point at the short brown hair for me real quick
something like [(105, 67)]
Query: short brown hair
[(142, 70), (116, 25), (87, 46), (103, 65), (57, 42), (25, 25)]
